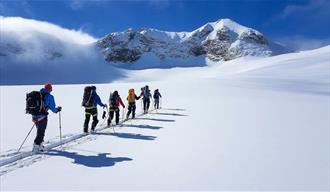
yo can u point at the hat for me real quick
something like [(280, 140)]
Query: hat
[(48, 86)]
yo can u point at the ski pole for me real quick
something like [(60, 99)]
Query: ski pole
[(60, 124), (25, 138)]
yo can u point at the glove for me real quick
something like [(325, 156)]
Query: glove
[(58, 109), (105, 105)]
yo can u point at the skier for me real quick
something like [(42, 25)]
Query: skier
[(90, 101), (146, 98), (41, 119), (114, 102), (156, 96), (131, 103)]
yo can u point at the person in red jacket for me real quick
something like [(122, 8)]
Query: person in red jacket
[(114, 102)]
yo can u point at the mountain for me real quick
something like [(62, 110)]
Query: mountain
[(217, 41), (39, 51)]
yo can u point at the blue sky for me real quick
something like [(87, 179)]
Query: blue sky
[(301, 24)]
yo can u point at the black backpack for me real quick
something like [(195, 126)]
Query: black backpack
[(87, 97), (35, 103), (146, 93), (113, 100)]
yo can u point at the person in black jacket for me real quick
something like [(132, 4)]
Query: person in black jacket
[(156, 96), (146, 98)]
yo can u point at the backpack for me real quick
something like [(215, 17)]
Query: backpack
[(35, 103), (113, 100), (146, 93), (156, 94), (87, 97), (131, 96)]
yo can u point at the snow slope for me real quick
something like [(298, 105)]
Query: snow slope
[(249, 124), (305, 72)]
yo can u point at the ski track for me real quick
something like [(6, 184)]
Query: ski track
[(12, 160)]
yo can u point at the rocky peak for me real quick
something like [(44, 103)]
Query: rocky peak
[(220, 40)]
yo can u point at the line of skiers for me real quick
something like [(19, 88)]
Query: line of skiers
[(39, 102), (91, 100)]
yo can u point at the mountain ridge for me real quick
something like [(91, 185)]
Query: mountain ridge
[(221, 40)]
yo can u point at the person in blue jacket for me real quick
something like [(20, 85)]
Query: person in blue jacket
[(92, 111), (41, 119)]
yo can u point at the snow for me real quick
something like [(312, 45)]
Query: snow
[(228, 24), (247, 124)]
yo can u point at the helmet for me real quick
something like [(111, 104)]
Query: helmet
[(93, 87), (115, 93)]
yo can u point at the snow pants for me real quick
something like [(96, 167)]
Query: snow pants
[(88, 113), (156, 104), (146, 104), (41, 128), (131, 109), (111, 114)]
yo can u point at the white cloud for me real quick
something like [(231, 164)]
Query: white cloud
[(36, 52), (27, 41), (314, 8), (18, 24)]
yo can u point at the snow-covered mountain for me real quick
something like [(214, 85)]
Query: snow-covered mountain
[(37, 50), (217, 41)]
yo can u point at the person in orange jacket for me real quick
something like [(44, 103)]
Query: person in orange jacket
[(114, 102), (131, 103)]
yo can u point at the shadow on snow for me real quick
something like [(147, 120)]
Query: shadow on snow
[(129, 135), (172, 109), (100, 160), (142, 126), (173, 114), (154, 119)]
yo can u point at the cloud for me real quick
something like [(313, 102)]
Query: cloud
[(300, 43), (34, 42), (314, 9), (34, 52), (18, 24)]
